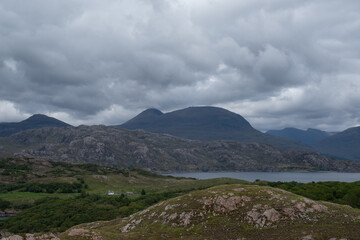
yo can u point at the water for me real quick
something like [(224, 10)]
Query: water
[(303, 177)]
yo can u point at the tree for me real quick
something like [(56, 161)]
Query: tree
[(4, 204)]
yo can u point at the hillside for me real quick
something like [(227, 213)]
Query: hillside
[(345, 145), (309, 137), (206, 123), (230, 212), (54, 196), (123, 148), (33, 122)]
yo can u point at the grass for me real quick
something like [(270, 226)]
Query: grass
[(321, 225), (100, 184), (94, 204), (28, 198)]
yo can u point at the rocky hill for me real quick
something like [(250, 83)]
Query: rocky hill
[(345, 145), (33, 122), (310, 136), (163, 153), (230, 212), (206, 123)]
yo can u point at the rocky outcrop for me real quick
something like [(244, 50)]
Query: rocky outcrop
[(124, 148), (32, 236), (233, 212)]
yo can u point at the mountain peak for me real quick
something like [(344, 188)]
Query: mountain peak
[(344, 145), (203, 123), (37, 117), (188, 120), (33, 122), (152, 111), (310, 136), (41, 119)]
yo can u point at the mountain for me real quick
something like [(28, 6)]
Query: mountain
[(345, 145), (124, 148), (33, 122), (205, 123), (230, 212), (310, 136)]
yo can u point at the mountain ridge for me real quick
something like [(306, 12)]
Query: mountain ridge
[(112, 146), (207, 123), (33, 122), (345, 144), (309, 136)]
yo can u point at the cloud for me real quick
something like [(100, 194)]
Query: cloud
[(278, 63), (9, 112)]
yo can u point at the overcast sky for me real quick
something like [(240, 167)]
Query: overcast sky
[(278, 63)]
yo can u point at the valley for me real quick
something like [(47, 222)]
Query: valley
[(179, 120), (102, 182), (57, 196)]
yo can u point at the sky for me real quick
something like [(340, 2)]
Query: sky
[(278, 63)]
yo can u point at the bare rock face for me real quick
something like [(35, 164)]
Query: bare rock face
[(225, 203), (124, 148), (234, 212), (261, 216), (30, 236), (84, 233)]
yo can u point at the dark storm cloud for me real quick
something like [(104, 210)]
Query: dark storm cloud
[(279, 63)]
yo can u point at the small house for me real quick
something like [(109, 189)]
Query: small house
[(110, 192)]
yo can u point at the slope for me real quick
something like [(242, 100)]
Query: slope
[(42, 194), (112, 146), (230, 212), (310, 136), (345, 145), (206, 123), (33, 122)]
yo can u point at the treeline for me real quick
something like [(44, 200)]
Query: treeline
[(4, 204), (8, 168), (85, 168), (337, 192), (56, 215), (55, 187), (7, 165)]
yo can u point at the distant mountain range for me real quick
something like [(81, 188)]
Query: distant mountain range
[(213, 124), (124, 148), (345, 145), (309, 137), (206, 124), (33, 122)]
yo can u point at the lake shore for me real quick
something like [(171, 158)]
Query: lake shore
[(303, 177)]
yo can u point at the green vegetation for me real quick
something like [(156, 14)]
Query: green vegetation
[(4, 204), (230, 212), (55, 214), (25, 200), (54, 187), (54, 196), (337, 192)]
